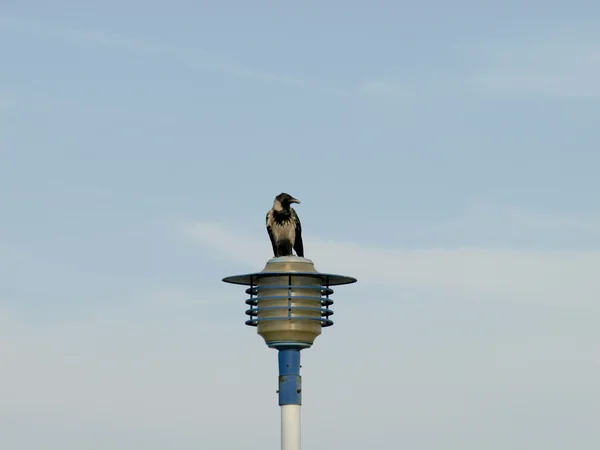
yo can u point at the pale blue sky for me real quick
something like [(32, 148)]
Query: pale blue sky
[(445, 154)]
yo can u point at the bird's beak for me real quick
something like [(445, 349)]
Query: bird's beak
[(294, 200)]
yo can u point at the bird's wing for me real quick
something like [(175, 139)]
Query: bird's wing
[(271, 237), (298, 245)]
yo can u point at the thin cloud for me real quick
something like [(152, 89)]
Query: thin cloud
[(563, 65), (483, 213), (383, 88), (530, 275), (4, 104), (193, 57), (541, 82), (553, 222)]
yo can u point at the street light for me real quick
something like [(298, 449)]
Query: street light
[(289, 304)]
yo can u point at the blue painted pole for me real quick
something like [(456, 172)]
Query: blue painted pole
[(290, 382)]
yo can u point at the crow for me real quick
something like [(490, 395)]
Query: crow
[(283, 226)]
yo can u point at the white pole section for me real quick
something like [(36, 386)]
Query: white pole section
[(290, 427)]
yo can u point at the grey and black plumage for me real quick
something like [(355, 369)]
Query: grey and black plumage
[(283, 226)]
